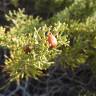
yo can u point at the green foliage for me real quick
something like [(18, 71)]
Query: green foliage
[(82, 44), (82, 47), (42, 8), (74, 28), (19, 20), (88, 93), (79, 10), (30, 52), (49, 7), (14, 2)]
